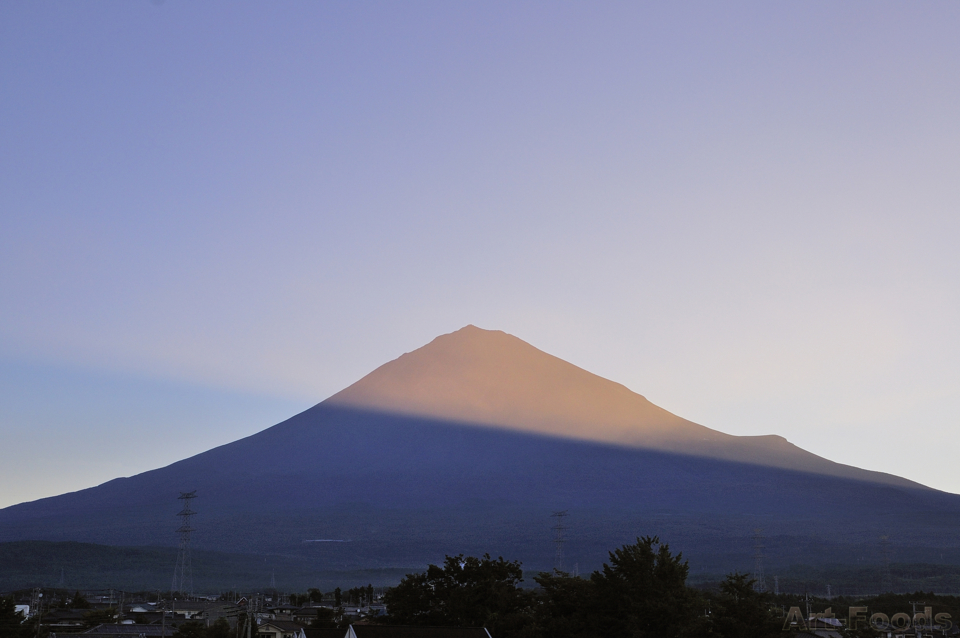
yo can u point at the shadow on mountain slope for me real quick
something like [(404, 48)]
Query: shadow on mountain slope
[(405, 490)]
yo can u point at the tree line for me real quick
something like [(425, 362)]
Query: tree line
[(642, 591), (352, 596)]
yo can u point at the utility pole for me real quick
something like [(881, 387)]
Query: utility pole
[(913, 618), (39, 599), (248, 623)]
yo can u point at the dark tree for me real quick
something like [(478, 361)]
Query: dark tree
[(337, 597), (299, 600), (191, 629), (355, 595), (326, 618), (78, 602), (96, 617), (10, 619), (564, 606), (316, 596), (465, 592), (643, 592), (740, 612), (219, 629)]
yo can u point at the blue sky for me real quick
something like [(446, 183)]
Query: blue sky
[(213, 215)]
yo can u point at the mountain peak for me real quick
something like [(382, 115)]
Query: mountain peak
[(490, 378)]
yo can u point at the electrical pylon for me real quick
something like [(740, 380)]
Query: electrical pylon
[(559, 540), (183, 572), (759, 582), (886, 580)]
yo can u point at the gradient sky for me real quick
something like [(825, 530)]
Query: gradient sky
[(214, 215)]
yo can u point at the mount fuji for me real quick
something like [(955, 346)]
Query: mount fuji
[(469, 444)]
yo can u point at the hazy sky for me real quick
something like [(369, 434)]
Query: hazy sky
[(214, 215)]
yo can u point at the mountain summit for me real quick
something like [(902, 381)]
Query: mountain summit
[(491, 378)]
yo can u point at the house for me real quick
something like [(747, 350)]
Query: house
[(280, 629), (64, 619), (205, 611), (401, 631), (146, 618), (283, 612), (307, 615)]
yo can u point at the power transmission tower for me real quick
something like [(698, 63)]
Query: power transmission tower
[(886, 579), (559, 540), (759, 585), (183, 572), (776, 585)]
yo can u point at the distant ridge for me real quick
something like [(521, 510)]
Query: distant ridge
[(39, 564), (492, 378)]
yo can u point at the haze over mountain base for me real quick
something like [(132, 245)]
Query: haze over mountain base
[(75, 566)]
